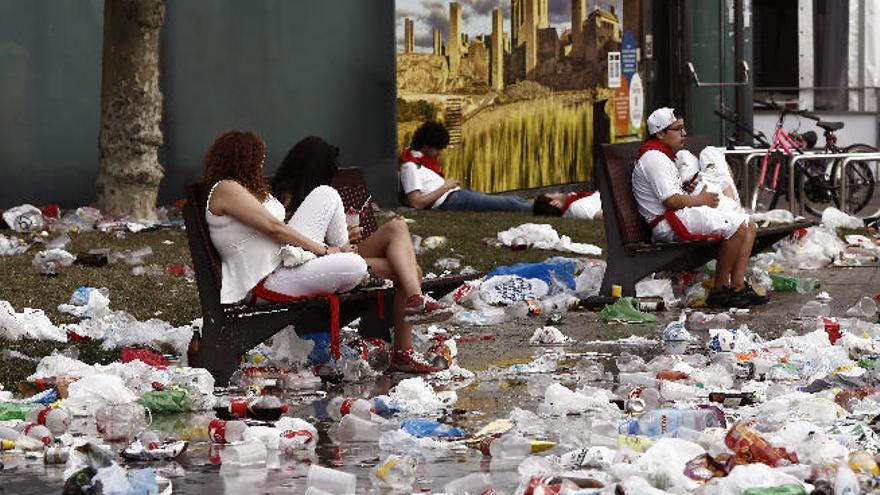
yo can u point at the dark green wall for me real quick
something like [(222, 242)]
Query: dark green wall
[(50, 90), (285, 69)]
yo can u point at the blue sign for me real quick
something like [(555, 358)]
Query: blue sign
[(628, 55)]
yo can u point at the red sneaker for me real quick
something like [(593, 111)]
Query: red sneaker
[(421, 304), (410, 361)]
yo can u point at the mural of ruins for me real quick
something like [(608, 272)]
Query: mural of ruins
[(517, 93)]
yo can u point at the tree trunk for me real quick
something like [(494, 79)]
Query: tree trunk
[(131, 108)]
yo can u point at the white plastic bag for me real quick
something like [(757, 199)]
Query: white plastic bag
[(91, 392), (24, 218), (834, 219)]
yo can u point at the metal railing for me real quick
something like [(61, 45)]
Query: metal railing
[(795, 206)]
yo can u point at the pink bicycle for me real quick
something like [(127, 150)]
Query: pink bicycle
[(821, 179)]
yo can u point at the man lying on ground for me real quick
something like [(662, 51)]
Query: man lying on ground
[(425, 185), (585, 205)]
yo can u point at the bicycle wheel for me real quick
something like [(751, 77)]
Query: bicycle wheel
[(813, 180), (859, 180), (765, 198)]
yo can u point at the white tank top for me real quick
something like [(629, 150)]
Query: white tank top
[(246, 255)]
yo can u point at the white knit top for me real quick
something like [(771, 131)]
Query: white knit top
[(246, 255)]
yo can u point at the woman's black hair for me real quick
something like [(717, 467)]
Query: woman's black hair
[(431, 134), (543, 207), (312, 162)]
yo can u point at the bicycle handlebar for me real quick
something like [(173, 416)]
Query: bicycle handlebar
[(757, 135), (775, 106)]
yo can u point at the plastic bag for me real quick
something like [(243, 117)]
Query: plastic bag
[(30, 323), (289, 350), (87, 394), (508, 289), (834, 219), (554, 269), (549, 336), (87, 302), (52, 261), (624, 311), (652, 287), (24, 218), (420, 427), (170, 400)]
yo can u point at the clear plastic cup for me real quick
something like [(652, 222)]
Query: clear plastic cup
[(331, 480), (244, 454)]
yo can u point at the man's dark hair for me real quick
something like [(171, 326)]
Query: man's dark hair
[(431, 134), (542, 207)]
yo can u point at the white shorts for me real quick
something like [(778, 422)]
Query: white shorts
[(701, 220)]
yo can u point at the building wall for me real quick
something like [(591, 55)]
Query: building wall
[(283, 69), (50, 100)]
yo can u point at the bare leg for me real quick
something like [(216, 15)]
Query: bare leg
[(728, 254), (393, 242), (738, 275), (402, 328)]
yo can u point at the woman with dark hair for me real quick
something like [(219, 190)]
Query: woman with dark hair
[(308, 168), (425, 185)]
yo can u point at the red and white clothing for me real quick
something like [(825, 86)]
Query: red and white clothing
[(582, 206), (417, 177), (247, 256), (654, 180)]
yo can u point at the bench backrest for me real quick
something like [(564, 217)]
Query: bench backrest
[(349, 182), (615, 184)]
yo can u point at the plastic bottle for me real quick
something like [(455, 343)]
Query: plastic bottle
[(814, 309), (474, 483), (150, 439), (374, 352), (353, 428), (296, 435), (222, 431), (862, 463), (782, 283), (340, 407), (396, 472), (10, 411), (510, 445), (120, 422), (743, 440), (846, 482), (263, 407), (385, 405), (267, 408), (422, 427), (38, 432), (638, 379), (56, 420), (649, 396), (665, 422)]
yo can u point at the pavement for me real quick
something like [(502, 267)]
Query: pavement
[(480, 400)]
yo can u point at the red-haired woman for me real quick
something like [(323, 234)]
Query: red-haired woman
[(246, 224)]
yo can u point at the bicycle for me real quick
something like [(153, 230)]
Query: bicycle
[(821, 179)]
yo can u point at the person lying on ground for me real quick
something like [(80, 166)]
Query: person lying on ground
[(672, 214), (425, 185), (246, 225), (585, 205), (305, 172), (693, 182)]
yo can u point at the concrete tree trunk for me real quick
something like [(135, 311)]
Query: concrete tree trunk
[(131, 108)]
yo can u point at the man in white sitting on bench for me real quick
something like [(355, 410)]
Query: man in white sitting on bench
[(674, 215)]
